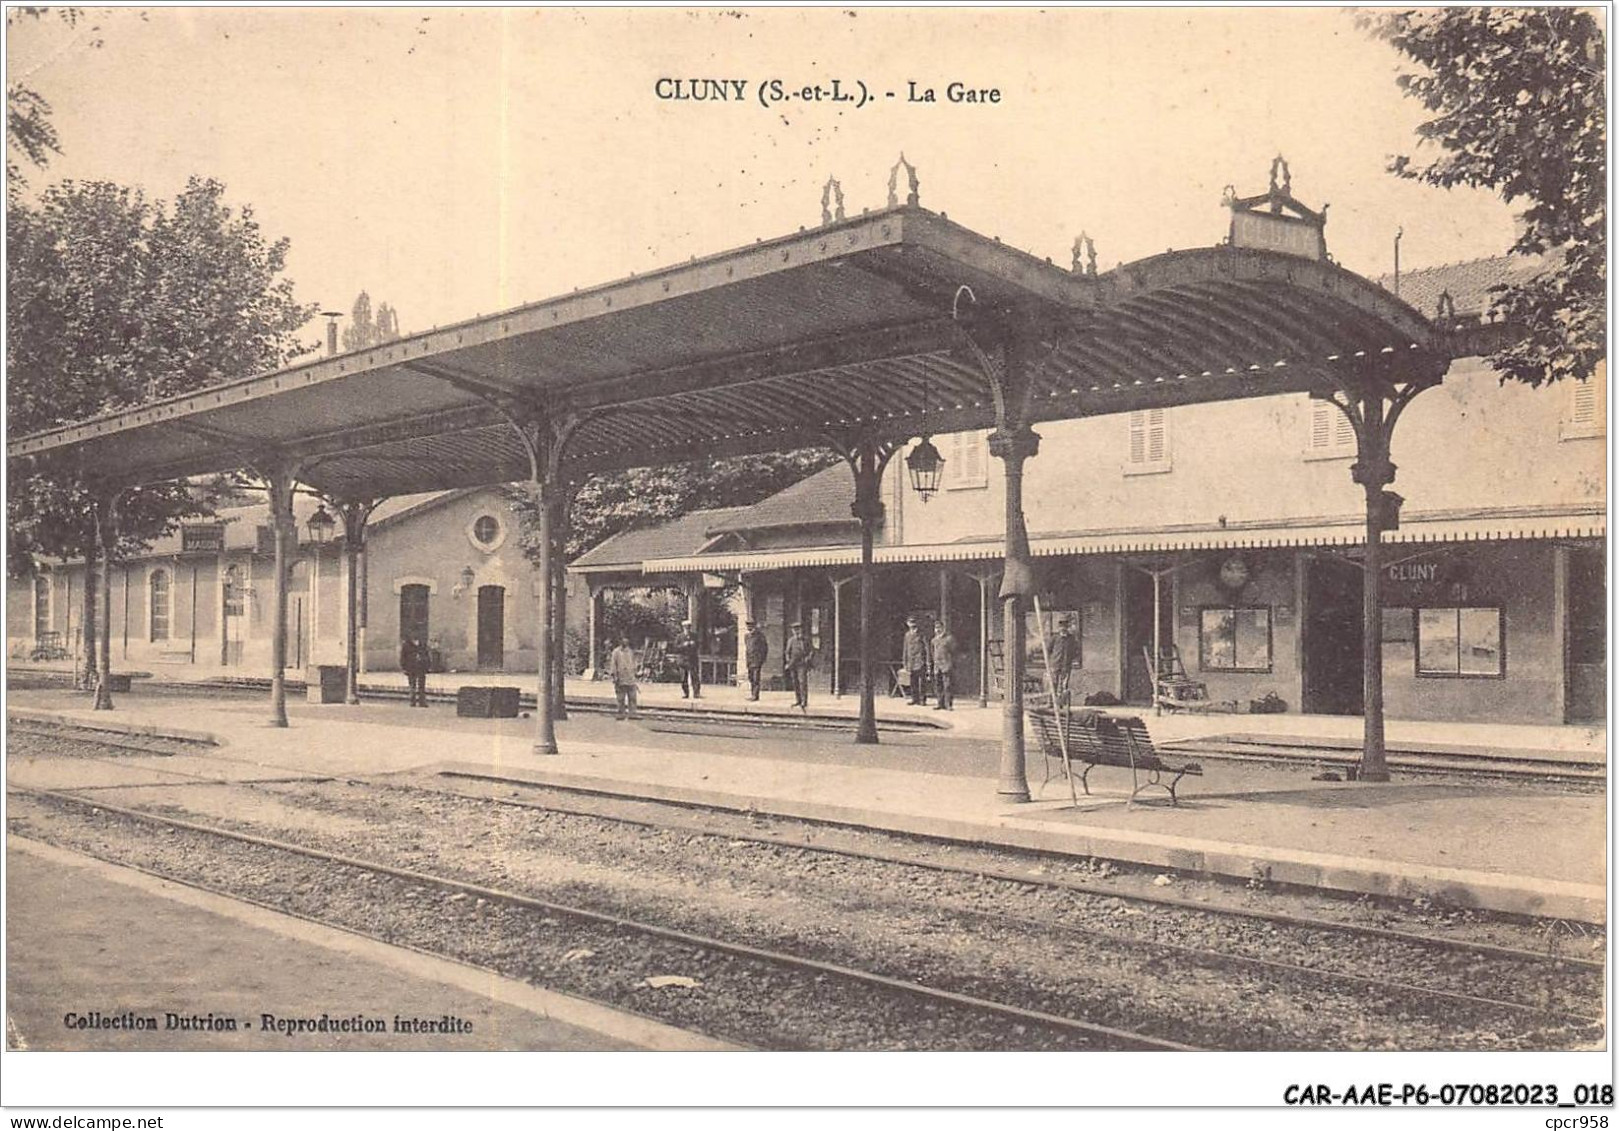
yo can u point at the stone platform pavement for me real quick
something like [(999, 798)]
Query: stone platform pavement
[(1497, 845), (71, 988)]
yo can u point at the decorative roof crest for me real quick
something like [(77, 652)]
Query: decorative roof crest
[(1083, 241), (832, 192), (1275, 220), (914, 197)]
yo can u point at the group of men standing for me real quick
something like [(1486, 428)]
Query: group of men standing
[(922, 657), (799, 658), (797, 661)]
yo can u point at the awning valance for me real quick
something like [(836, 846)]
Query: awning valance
[(1438, 527)]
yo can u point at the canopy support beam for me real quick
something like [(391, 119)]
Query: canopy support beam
[(544, 439), (280, 475), (1010, 345), (106, 516), (356, 513), (867, 458), (1373, 407)]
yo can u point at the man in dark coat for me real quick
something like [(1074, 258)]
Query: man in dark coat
[(414, 660), (691, 673), (755, 651), (798, 660), (914, 655), (944, 663), (1062, 652)]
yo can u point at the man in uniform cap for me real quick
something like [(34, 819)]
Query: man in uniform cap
[(1062, 653), (914, 654), (797, 661), (944, 663), (691, 675), (755, 651)]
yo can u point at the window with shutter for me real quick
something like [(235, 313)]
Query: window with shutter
[(1586, 414), (966, 459), (1331, 434), (1149, 442)]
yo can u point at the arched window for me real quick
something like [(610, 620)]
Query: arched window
[(42, 606), (159, 604)]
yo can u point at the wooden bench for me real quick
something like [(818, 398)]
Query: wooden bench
[(1098, 739)]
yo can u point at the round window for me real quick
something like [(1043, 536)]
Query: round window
[(487, 533)]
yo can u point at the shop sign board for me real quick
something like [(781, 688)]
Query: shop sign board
[(202, 538)]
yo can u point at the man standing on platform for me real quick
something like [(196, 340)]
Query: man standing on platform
[(621, 666), (914, 653), (691, 674), (414, 660), (944, 662), (755, 651), (800, 657), (1063, 651)]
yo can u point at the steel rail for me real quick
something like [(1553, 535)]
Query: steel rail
[(1281, 918), (1137, 1041)]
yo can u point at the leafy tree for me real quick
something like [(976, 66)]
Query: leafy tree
[(608, 503), (112, 300), (29, 130), (364, 330), (1520, 106)]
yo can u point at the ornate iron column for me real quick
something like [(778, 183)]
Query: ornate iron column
[(280, 475), (1006, 344), (106, 513), (355, 512), (544, 439), (867, 458), (1373, 405), (559, 609), (1013, 448)]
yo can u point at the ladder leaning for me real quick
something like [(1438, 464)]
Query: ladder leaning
[(1056, 706)]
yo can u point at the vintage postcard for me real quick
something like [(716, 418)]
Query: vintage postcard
[(891, 529)]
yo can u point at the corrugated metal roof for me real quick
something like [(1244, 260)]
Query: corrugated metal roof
[(1469, 283), (681, 536), (242, 523), (843, 328), (822, 499)]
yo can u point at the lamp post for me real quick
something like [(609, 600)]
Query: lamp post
[(320, 525)]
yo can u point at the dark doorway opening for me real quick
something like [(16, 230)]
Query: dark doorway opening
[(1334, 667), (413, 619), (491, 628), (1587, 635), (1138, 589)]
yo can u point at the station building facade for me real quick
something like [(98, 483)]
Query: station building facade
[(447, 565), (1240, 522)]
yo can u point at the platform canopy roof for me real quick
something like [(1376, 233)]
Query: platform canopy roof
[(770, 347)]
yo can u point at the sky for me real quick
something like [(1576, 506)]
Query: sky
[(455, 162)]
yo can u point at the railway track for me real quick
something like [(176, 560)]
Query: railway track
[(889, 1011), (1550, 1017), (925, 855)]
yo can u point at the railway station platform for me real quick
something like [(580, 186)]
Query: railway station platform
[(1501, 845), (1312, 739), (70, 990)]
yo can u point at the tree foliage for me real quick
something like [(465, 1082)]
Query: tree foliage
[(29, 130), (112, 300), (1519, 105), (365, 329), (611, 502)]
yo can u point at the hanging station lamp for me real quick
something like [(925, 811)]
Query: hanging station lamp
[(321, 524), (924, 462)]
